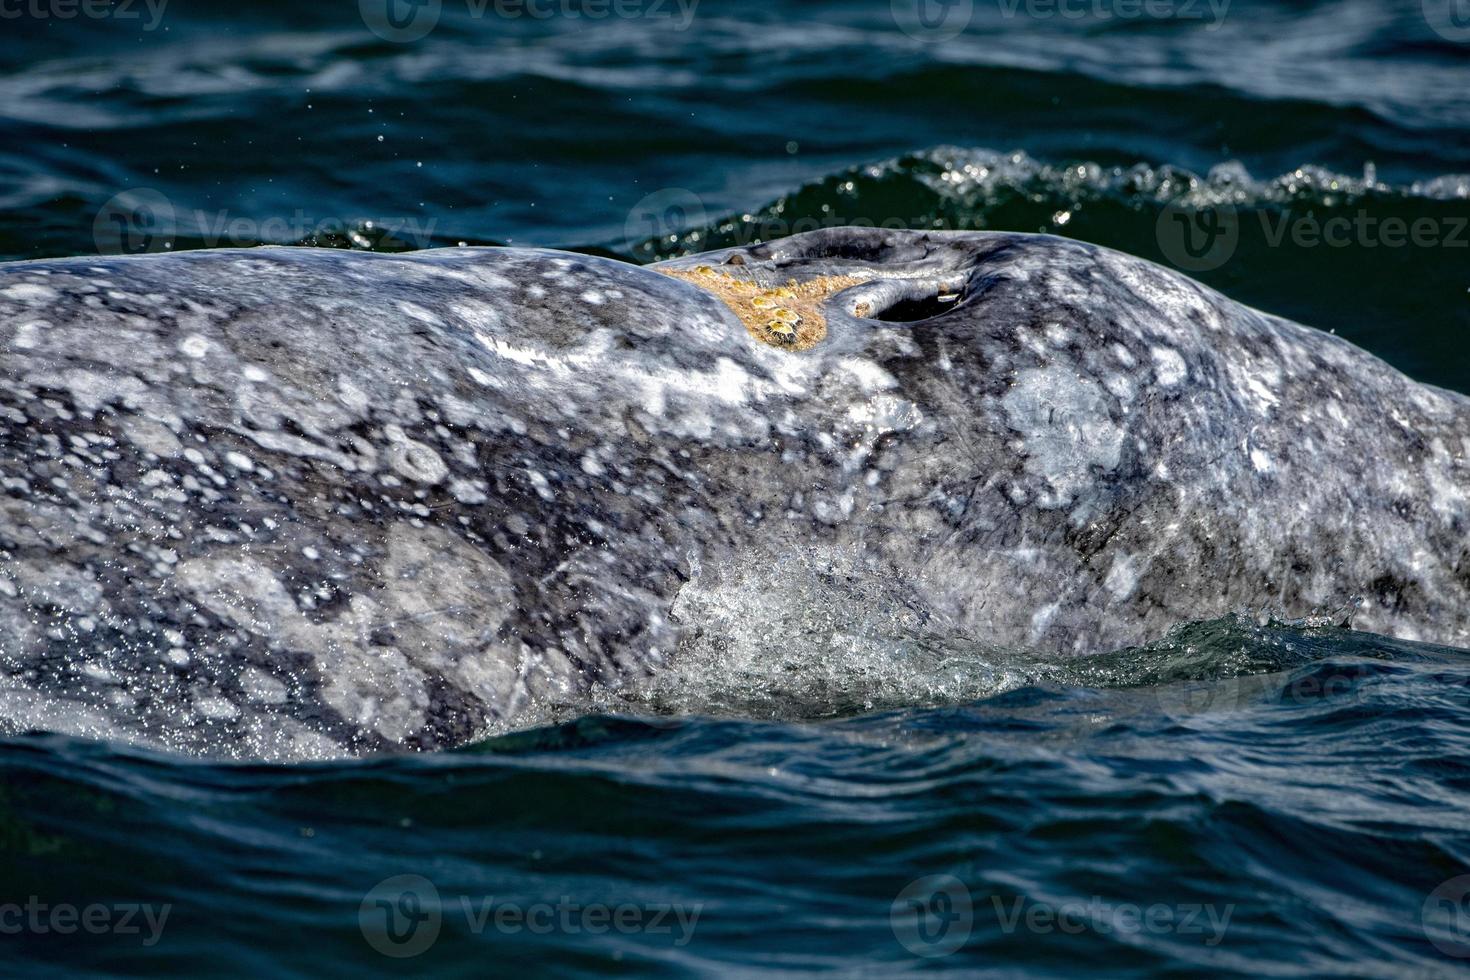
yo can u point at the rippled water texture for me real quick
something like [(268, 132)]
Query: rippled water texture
[(1240, 801), (833, 791)]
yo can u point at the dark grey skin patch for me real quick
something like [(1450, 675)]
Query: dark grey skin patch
[(294, 503)]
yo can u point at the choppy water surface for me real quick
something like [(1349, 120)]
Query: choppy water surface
[(1237, 800), (826, 792)]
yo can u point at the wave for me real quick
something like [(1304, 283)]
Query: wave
[(960, 188)]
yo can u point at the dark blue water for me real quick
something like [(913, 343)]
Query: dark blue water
[(1235, 799)]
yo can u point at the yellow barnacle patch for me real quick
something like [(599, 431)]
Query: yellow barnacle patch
[(785, 332), (788, 316)]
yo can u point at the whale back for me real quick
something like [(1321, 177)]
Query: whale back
[(287, 503)]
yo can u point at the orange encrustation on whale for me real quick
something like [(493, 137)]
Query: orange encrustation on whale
[(789, 315)]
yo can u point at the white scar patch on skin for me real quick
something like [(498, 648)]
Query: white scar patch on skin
[(1065, 428)]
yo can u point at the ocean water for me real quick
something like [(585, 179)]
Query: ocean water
[(1242, 797)]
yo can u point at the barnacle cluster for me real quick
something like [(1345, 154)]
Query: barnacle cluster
[(787, 315)]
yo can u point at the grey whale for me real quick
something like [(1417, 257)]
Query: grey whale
[(288, 502)]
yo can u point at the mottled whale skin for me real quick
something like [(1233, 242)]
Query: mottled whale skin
[(288, 503)]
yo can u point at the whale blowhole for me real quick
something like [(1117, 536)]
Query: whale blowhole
[(912, 310)]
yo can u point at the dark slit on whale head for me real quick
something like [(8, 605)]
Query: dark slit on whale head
[(912, 310)]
